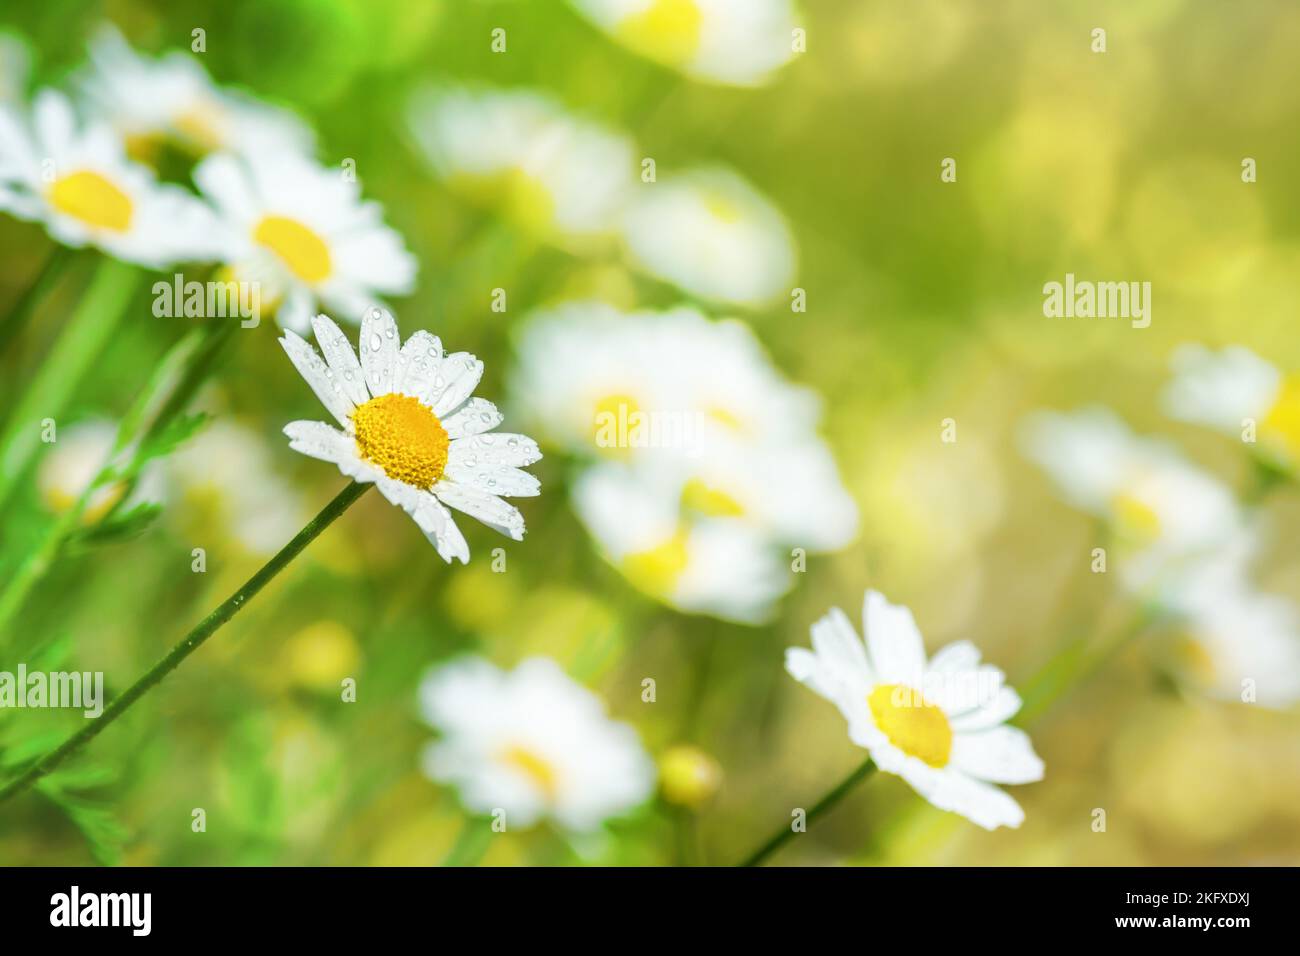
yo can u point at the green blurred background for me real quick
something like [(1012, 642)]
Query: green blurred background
[(924, 304)]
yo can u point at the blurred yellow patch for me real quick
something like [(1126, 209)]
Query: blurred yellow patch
[(304, 252), (321, 655), (688, 776), (667, 30), (93, 199)]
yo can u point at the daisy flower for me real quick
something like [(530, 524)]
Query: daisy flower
[(533, 743), (736, 42), (76, 459), (1166, 514), (15, 65), (303, 232), (172, 99), (1233, 390), (76, 180), (713, 235), (694, 563), (938, 724), (1239, 634), (561, 178), (411, 426)]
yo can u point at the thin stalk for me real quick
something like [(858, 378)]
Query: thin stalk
[(832, 797), (80, 344), (190, 642), (35, 293)]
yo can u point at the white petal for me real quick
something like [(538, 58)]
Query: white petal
[(379, 345), (497, 448), (417, 364), (494, 479), (429, 515), (977, 801), (489, 509), (319, 440), (461, 373), (897, 651), (474, 417), (1004, 706), (808, 669), (837, 644), (1001, 755), (317, 374), (336, 348), (957, 656)]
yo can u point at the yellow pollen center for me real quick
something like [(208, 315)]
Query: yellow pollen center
[(1281, 426), (1135, 520), (537, 769), (304, 252), (94, 200), (667, 30), (914, 726), (657, 569), (723, 209), (614, 417), (403, 437), (709, 500)]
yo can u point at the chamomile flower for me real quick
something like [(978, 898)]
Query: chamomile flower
[(172, 99), (15, 65), (713, 235), (74, 460), (692, 562), (736, 42), (303, 232), (1236, 392), (939, 724), (76, 180), (1167, 515), (561, 178), (411, 426), (532, 743)]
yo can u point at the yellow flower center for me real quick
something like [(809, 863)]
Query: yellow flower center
[(723, 209), (667, 30), (914, 726), (537, 769), (613, 422), (200, 126), (1281, 426), (528, 201), (1135, 520), (709, 500), (304, 252), (403, 437), (657, 569), (94, 200)]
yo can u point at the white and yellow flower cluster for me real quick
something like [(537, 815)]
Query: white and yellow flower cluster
[(572, 182), (702, 470)]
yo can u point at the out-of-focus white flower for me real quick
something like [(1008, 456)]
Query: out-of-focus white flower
[(411, 426), (713, 235), (695, 563), (737, 42), (1238, 393), (1239, 635), (229, 464), (561, 178), (304, 234), (79, 453), (75, 178), (15, 65), (940, 725), (533, 743), (172, 98), (1168, 516)]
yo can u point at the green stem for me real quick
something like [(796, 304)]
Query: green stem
[(34, 294), (832, 797), (190, 642), (471, 844), (81, 343)]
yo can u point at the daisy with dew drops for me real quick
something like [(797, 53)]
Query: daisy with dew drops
[(76, 180), (939, 724), (410, 425), (302, 231), (531, 742)]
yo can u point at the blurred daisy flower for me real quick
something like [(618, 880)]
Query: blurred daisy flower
[(15, 65), (696, 564), (559, 177), (940, 725), (411, 427), (172, 99), (1238, 635), (75, 460), (736, 42), (533, 743), (711, 234), (1166, 514), (76, 180), (302, 231), (1238, 393)]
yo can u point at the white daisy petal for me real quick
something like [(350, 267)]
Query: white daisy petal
[(897, 650), (955, 657), (379, 345), (999, 755), (1004, 705), (476, 416), (336, 348), (494, 479), (418, 363), (495, 448), (319, 440), (318, 375), (461, 372), (807, 668), (487, 508), (981, 803), (835, 641)]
